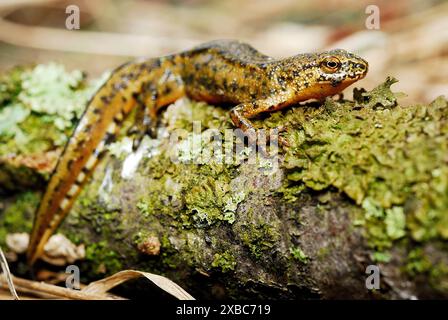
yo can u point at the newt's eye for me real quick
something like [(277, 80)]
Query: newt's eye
[(330, 64)]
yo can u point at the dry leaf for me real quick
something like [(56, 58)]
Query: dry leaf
[(102, 286)]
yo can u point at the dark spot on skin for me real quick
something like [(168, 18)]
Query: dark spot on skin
[(234, 86), (295, 73), (142, 66), (97, 110), (204, 81), (69, 164), (167, 90), (156, 63), (124, 99), (334, 83), (58, 186), (105, 99), (87, 128), (136, 96), (109, 137), (189, 78)]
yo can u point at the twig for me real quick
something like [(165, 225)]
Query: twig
[(7, 275), (59, 292)]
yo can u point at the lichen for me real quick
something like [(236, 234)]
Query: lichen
[(225, 261), (259, 237), (39, 107), (388, 158)]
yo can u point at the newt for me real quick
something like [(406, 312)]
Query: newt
[(215, 72)]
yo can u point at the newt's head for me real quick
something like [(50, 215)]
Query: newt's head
[(328, 73), (339, 67)]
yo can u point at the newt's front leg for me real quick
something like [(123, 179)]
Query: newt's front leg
[(241, 114)]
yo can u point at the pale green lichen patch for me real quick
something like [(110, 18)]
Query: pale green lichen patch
[(39, 107)]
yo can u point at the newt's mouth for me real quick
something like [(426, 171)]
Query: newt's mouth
[(362, 75)]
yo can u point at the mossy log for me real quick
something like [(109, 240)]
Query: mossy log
[(362, 182)]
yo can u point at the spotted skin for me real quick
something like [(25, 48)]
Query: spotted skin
[(216, 72)]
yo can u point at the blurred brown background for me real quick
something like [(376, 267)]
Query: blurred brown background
[(411, 44)]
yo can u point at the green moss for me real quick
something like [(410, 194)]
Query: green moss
[(298, 255), (259, 237), (323, 253), (224, 261), (170, 256), (438, 277), (102, 258), (141, 236), (17, 216), (381, 257), (144, 207), (417, 262)]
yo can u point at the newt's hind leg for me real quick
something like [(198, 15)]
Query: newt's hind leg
[(151, 101), (145, 120)]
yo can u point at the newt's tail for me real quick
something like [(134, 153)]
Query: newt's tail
[(98, 125)]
